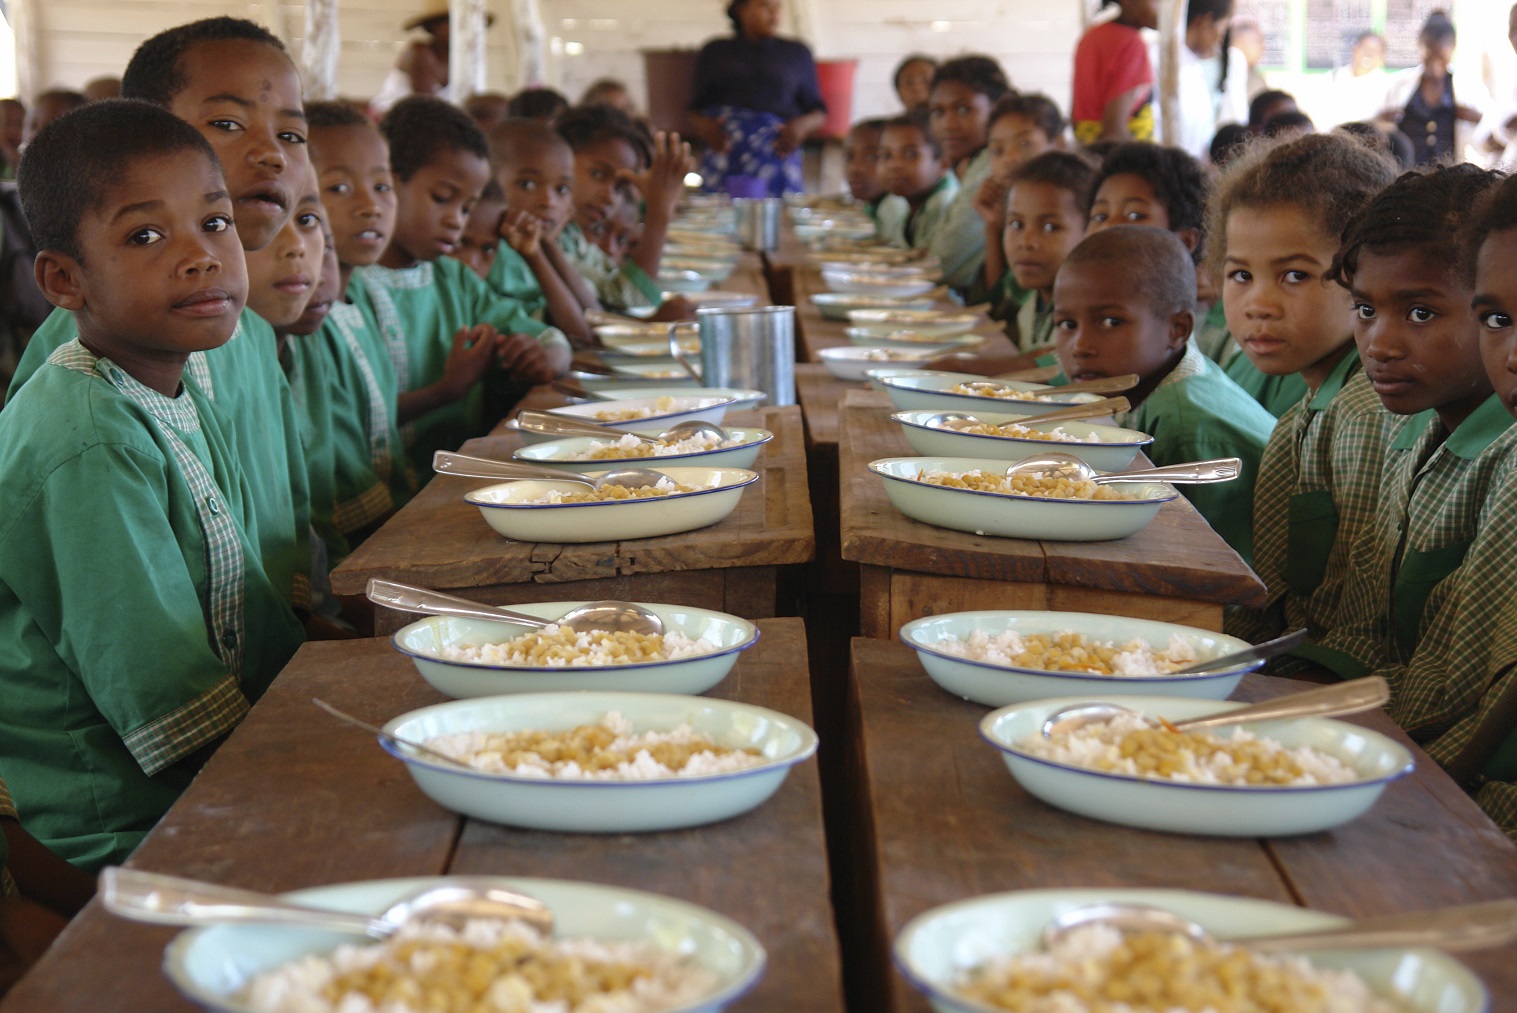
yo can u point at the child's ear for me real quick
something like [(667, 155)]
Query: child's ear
[(1180, 327), (60, 279), (1190, 237)]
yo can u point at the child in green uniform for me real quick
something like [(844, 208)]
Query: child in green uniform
[(921, 186), (231, 80), (431, 309), (1124, 302), (1276, 219), (358, 192), (1021, 128), (1428, 601), (534, 168), (861, 164), (964, 90), (613, 158), (480, 240), (1045, 219), (138, 621)]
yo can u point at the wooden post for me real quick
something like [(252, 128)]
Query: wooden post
[(23, 17), (466, 47), (531, 43), (319, 54), (1171, 38)]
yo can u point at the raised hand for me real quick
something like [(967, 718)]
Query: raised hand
[(522, 231)]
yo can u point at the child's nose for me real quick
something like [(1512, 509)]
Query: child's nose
[(1381, 340), (263, 149)]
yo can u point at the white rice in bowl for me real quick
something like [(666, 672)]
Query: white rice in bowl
[(488, 964), (1128, 744), (1068, 651), (630, 446), (1097, 969), (556, 646)]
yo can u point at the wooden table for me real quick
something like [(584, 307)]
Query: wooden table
[(294, 800), (1177, 569), (439, 541), (944, 821)]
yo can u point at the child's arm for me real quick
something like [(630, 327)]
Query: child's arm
[(42, 875), (661, 186), (1118, 111), (577, 284), (474, 348), (524, 233), (990, 204)]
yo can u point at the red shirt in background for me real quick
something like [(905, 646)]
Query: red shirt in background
[(1111, 58)]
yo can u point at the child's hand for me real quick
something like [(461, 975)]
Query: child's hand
[(473, 350), (674, 308), (523, 356), (990, 201), (522, 232), (663, 181)]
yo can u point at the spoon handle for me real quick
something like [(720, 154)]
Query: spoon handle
[(170, 900), (1466, 927), (405, 598), (1258, 652), (1088, 410), (575, 390), (679, 354), (1345, 698), (1105, 385), (547, 424), (1223, 469), (446, 462), (409, 744), (1036, 374)]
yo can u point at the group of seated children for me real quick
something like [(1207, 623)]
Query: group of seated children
[(261, 334), (1368, 314)]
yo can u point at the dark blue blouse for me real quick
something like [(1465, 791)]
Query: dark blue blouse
[(768, 75)]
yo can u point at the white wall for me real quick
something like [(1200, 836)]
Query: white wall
[(81, 39)]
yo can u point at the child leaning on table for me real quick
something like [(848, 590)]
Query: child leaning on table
[(1124, 302), (1276, 217), (138, 622), (920, 183), (428, 305), (1428, 600)]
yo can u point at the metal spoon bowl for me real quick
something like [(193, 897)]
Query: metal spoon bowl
[(171, 900), (610, 616), (447, 463), (1464, 927), (1351, 697), (559, 425), (1089, 410), (1054, 464)]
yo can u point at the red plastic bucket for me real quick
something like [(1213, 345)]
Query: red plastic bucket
[(836, 80)]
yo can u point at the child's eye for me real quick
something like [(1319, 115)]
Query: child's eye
[(564, 190), (308, 220), (218, 223), (1111, 322), (1098, 217), (1495, 320), (340, 189), (145, 237), (291, 137), (1013, 225), (1364, 311), (1239, 277), (1049, 228), (1135, 216), (382, 188), (227, 125), (440, 198), (1421, 315), (528, 185), (1296, 277), (1064, 325)]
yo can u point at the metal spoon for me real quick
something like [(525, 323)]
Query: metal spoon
[(679, 354), (1036, 374), (611, 616), (1258, 652), (1058, 465), (1351, 697), (1091, 410), (1465, 927), (171, 900), (548, 424), (447, 463), (1105, 385), (408, 743)]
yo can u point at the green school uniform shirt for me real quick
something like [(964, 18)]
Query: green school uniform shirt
[(1196, 413), (914, 230), (1429, 603), (512, 277), (958, 241), (371, 473), (1275, 393), (618, 286), (418, 310), (1006, 300), (1318, 488), (312, 388), (244, 380), (136, 623)]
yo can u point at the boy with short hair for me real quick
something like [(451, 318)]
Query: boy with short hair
[(231, 80), (613, 157), (1045, 219), (431, 309), (920, 183), (1124, 302), (861, 164), (132, 652)]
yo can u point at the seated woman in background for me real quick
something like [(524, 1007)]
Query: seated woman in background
[(756, 99)]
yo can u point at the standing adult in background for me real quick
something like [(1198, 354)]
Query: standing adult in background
[(913, 80), (12, 130), (1248, 38), (756, 99), (423, 66), (1114, 80), (1206, 25), (1437, 110), (1357, 91)]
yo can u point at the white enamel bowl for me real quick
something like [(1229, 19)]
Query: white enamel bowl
[(212, 965), (837, 305), (560, 453), (998, 685), (743, 398), (620, 335), (934, 393), (940, 946), (1006, 516), (508, 507), (1113, 449), (683, 282), (877, 377), (866, 283), (425, 640), (651, 348), (1188, 808), (719, 299), (629, 373), (570, 805), (931, 322), (681, 406), (928, 270), (909, 339), (851, 362)]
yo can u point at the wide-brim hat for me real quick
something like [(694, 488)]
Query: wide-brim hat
[(435, 10)]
